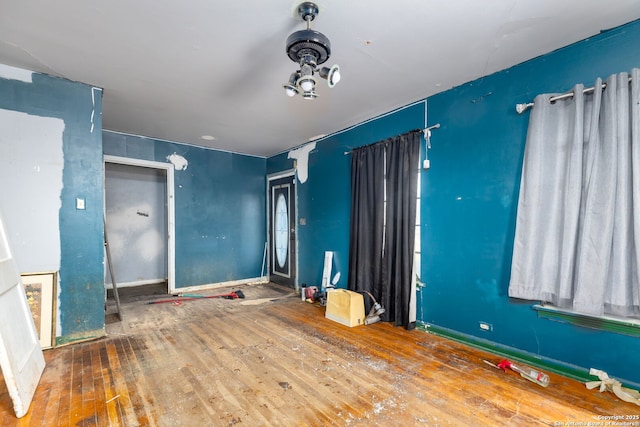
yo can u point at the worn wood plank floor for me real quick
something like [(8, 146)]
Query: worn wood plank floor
[(273, 360)]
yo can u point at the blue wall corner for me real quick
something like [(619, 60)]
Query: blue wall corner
[(81, 283), (220, 208), (324, 200)]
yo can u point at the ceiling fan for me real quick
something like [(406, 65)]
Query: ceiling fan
[(309, 49)]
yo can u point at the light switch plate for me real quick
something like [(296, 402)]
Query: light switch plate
[(79, 203)]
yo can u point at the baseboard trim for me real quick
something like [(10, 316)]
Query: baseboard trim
[(80, 337), (546, 364), (136, 283), (250, 281)]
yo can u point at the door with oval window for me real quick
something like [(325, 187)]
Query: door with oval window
[(282, 231)]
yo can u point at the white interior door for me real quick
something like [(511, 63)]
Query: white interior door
[(21, 357)]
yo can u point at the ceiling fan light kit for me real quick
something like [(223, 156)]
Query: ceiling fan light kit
[(309, 49)]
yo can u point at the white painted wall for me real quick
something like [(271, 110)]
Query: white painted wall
[(32, 160), (14, 73)]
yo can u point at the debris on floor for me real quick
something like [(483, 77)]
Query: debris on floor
[(609, 384), (189, 297), (527, 372), (285, 385), (260, 301)]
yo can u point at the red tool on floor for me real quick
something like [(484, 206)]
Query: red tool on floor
[(187, 297)]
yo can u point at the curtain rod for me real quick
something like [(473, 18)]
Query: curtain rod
[(521, 108), (427, 133)]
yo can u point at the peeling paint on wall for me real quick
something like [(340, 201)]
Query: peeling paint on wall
[(301, 156), (13, 73), (31, 149), (179, 162)]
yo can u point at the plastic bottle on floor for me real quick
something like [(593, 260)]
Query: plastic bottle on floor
[(527, 372)]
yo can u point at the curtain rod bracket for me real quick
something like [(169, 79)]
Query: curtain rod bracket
[(428, 129), (521, 108), (427, 134), (426, 163)]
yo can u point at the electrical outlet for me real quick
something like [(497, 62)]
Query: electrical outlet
[(484, 326), (80, 203)]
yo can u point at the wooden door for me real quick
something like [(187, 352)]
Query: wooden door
[(21, 357)]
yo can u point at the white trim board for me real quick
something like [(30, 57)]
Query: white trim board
[(250, 281), (169, 168)]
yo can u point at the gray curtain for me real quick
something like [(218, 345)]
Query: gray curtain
[(577, 242)]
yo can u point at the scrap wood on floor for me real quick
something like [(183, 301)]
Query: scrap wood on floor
[(189, 297)]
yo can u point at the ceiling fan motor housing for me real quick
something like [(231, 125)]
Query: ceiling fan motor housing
[(308, 42)]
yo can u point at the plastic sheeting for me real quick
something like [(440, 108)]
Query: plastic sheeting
[(614, 386)]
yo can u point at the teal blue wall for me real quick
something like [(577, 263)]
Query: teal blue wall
[(468, 202), (219, 208), (81, 283), (324, 199)]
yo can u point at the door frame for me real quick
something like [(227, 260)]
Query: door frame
[(169, 168), (272, 177)]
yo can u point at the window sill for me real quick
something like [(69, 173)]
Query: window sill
[(629, 327)]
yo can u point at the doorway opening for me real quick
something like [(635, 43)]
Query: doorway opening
[(139, 223)]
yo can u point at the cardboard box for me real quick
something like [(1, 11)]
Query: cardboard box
[(345, 307)]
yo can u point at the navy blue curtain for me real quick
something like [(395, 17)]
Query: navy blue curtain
[(367, 220), (403, 156), (381, 256)]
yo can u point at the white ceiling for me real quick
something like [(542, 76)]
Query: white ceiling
[(177, 70)]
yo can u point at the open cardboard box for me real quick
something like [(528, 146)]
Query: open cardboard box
[(345, 307)]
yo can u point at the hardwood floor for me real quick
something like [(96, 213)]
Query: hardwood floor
[(273, 360)]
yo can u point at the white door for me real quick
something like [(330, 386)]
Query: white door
[(21, 357)]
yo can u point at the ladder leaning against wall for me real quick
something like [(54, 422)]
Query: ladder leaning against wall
[(116, 297)]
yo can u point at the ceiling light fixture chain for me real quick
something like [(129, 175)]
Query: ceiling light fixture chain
[(309, 49)]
